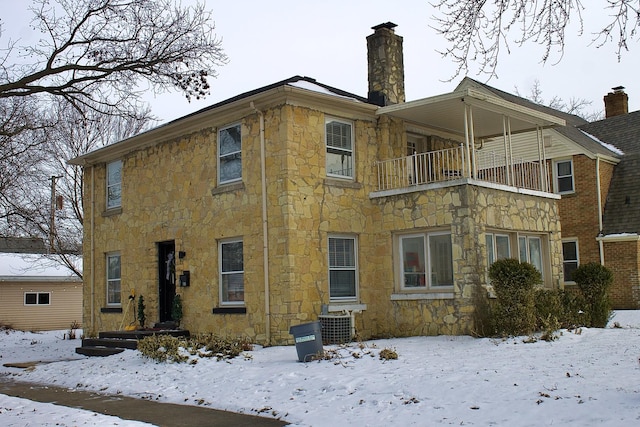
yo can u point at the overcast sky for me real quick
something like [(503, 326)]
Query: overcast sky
[(268, 41)]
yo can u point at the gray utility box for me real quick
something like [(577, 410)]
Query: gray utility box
[(308, 338)]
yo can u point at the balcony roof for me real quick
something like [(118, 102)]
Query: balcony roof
[(447, 112)]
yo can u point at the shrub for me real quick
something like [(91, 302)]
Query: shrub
[(142, 318), (562, 307), (163, 348), (514, 282), (167, 348), (176, 309), (594, 281)]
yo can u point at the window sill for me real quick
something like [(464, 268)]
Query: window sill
[(227, 188), (345, 307), (422, 296), (111, 310), (342, 183), (112, 212), (229, 310)]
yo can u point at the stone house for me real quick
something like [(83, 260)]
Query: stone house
[(298, 201), (593, 167)]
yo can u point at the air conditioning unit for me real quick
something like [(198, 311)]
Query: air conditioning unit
[(336, 328)]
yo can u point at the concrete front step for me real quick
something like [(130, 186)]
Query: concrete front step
[(110, 342), (98, 351), (115, 342)]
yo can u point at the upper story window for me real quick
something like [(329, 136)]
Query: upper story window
[(563, 171), (343, 271), (231, 272), (229, 154), (339, 139), (114, 184), (570, 258), (113, 279), (426, 261)]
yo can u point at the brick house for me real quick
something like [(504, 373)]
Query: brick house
[(298, 201)]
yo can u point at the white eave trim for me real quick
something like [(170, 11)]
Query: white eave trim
[(622, 237)]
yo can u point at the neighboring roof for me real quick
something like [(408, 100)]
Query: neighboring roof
[(623, 131), (23, 267), (193, 121), (622, 208)]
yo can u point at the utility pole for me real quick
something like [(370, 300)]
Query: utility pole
[(52, 207)]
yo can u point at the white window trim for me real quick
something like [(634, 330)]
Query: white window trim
[(229, 181), (356, 297), (444, 292), (109, 255), (109, 185), (543, 256), (221, 273), (556, 177), (37, 293), (571, 240), (352, 150)]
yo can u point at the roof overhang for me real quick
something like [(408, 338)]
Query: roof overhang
[(227, 112), (447, 113)]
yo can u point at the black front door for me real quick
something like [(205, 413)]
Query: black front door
[(166, 278)]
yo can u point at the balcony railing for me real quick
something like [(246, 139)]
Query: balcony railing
[(451, 164)]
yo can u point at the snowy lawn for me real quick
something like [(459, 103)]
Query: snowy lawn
[(589, 377)]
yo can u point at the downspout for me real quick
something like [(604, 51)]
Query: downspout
[(599, 195), (265, 236), (92, 260)]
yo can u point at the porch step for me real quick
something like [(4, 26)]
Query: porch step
[(98, 351), (114, 342), (110, 342)]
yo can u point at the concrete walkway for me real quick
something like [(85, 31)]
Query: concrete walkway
[(129, 408)]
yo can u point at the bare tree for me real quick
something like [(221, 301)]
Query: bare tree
[(80, 86), (576, 106), (477, 30)]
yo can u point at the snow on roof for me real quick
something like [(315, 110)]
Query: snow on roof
[(604, 144), (30, 265), (304, 84)]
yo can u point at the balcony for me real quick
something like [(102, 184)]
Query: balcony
[(456, 164)]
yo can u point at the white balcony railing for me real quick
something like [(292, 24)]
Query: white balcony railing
[(450, 164)]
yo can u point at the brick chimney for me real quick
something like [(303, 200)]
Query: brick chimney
[(616, 103), (386, 66)]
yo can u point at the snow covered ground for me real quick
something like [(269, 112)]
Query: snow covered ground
[(586, 378)]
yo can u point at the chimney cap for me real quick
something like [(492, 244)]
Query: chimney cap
[(618, 89), (388, 25)]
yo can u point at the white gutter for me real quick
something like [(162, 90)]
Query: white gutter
[(265, 236), (599, 196), (92, 249)]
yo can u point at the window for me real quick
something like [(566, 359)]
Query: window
[(230, 154), (339, 148), (113, 279), (570, 258), (530, 248), (37, 298), (114, 184), (342, 268), (231, 273), (426, 260), (498, 247), (564, 176)]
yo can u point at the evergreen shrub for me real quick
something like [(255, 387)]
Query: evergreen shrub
[(594, 281)]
